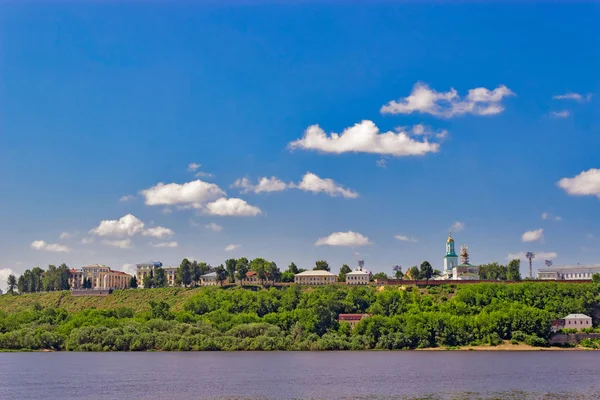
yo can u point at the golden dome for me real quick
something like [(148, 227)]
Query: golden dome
[(450, 240)]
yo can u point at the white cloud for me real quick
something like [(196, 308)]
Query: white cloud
[(129, 197), (231, 247), (158, 232), (382, 163), (130, 269), (538, 256), (166, 211), (560, 114), (190, 193), (231, 207), (573, 96), (214, 227), (202, 174), (55, 248), (121, 244), (548, 216), (363, 137), (532, 236), (312, 183), (457, 226), (344, 239), (422, 99), (4, 273), (586, 183), (403, 238), (65, 235), (166, 244), (264, 184), (422, 130), (87, 240), (128, 226), (192, 167)]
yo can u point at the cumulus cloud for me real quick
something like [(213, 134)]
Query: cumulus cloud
[(539, 256), (127, 198), (87, 240), (121, 244), (312, 183), (166, 244), (128, 226), (214, 227), (231, 247), (130, 269), (231, 207), (363, 137), (548, 216), (422, 99), (343, 239), (4, 273), (532, 236), (560, 114), (586, 183), (190, 193), (264, 185), (404, 238), (457, 226), (573, 96), (55, 248), (65, 235)]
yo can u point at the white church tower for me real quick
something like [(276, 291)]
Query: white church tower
[(450, 259)]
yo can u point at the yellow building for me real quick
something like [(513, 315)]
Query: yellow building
[(315, 278), (101, 277), (171, 275)]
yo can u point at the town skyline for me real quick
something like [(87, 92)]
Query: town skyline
[(341, 138)]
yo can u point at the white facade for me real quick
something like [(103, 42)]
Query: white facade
[(450, 259), (577, 321), (358, 277), (568, 272), (315, 278), (465, 272), (209, 279)]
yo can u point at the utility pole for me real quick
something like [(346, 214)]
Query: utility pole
[(530, 256)]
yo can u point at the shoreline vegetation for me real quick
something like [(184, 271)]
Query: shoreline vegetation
[(477, 317)]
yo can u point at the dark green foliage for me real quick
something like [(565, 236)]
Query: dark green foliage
[(133, 284), (596, 278), (343, 271), (184, 273), (294, 319), (160, 278), (321, 266), (11, 282), (426, 271)]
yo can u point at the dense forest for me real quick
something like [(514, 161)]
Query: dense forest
[(294, 318)]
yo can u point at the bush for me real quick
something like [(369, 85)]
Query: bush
[(535, 341)]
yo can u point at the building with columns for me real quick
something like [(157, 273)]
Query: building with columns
[(101, 277), (145, 269)]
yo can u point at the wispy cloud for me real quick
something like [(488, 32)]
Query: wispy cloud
[(404, 238), (52, 247), (231, 247), (560, 114), (343, 239), (532, 236), (573, 96), (457, 226)]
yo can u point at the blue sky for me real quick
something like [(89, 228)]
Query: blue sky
[(99, 102)]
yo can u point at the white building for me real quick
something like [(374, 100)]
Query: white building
[(209, 279), (577, 321), (315, 278), (358, 277), (568, 272), (458, 272)]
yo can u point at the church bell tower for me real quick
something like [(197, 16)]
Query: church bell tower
[(450, 259)]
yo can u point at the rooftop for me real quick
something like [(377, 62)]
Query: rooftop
[(315, 273), (210, 275), (358, 272), (570, 267), (572, 316)]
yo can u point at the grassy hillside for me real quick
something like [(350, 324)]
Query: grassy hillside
[(137, 300)]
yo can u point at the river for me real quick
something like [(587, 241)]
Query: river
[(301, 375)]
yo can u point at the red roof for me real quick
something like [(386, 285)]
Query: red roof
[(352, 317), (250, 273)]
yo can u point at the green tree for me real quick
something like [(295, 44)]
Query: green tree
[(293, 268), (184, 274), (133, 283), (343, 271), (230, 265), (596, 278), (273, 272), (160, 278), (398, 272), (426, 271), (12, 283), (160, 310), (321, 265), (195, 273), (261, 267), (241, 269), (36, 279), (148, 281), (221, 274), (21, 284), (514, 270), (380, 276), (414, 273)]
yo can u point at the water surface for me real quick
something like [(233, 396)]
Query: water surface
[(301, 375)]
